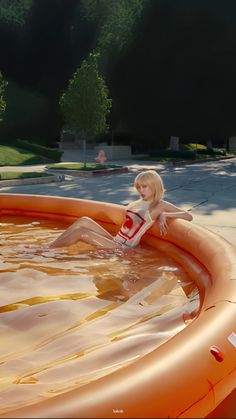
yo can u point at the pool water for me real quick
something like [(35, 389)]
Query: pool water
[(70, 316)]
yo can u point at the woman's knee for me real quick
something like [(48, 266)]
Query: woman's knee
[(82, 221), (85, 221)]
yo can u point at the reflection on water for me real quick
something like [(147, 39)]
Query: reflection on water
[(72, 315)]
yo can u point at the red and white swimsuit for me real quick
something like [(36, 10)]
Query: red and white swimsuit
[(138, 221)]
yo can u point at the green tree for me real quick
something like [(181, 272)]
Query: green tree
[(3, 85), (116, 20), (85, 104), (115, 23), (14, 11)]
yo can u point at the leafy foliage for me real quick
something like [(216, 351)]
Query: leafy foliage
[(118, 24), (50, 153), (85, 104), (14, 11), (116, 20), (3, 85)]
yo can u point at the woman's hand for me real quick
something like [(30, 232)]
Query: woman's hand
[(163, 224)]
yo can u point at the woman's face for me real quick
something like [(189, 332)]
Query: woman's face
[(145, 192)]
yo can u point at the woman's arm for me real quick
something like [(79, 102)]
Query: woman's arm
[(168, 210)]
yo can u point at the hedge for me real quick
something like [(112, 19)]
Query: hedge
[(52, 154)]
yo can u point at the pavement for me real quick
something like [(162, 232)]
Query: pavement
[(208, 188)]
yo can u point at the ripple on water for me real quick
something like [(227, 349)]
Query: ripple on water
[(72, 315)]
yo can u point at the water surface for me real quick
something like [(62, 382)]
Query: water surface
[(70, 316)]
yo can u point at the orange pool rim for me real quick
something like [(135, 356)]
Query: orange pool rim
[(189, 375)]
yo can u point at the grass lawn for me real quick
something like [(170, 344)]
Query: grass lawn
[(80, 166), (13, 156), (20, 175)]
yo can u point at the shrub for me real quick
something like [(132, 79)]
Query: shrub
[(51, 153), (193, 147)]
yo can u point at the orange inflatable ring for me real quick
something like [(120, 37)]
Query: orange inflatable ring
[(189, 375)]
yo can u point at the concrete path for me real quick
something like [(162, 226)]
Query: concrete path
[(208, 188)]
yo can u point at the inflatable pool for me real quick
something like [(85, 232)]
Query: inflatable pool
[(187, 376)]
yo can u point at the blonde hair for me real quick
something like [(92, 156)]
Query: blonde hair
[(154, 181)]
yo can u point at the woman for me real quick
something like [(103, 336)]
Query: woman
[(140, 216)]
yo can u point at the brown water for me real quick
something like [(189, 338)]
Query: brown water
[(70, 316)]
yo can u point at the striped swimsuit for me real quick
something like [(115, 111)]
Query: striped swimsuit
[(138, 220)]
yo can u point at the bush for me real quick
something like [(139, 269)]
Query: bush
[(51, 153), (212, 152), (219, 151), (193, 147), (208, 151), (189, 151)]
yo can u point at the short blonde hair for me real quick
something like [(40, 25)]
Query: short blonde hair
[(154, 181)]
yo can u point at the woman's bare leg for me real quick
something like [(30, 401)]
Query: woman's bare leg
[(87, 230)]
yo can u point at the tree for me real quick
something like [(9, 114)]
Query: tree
[(85, 104), (3, 85), (115, 21), (14, 11)]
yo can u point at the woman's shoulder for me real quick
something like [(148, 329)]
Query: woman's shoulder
[(158, 208), (167, 206), (160, 204), (163, 203)]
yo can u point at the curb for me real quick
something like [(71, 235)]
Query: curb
[(30, 181), (86, 173)]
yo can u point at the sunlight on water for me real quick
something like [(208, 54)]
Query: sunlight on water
[(70, 316)]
